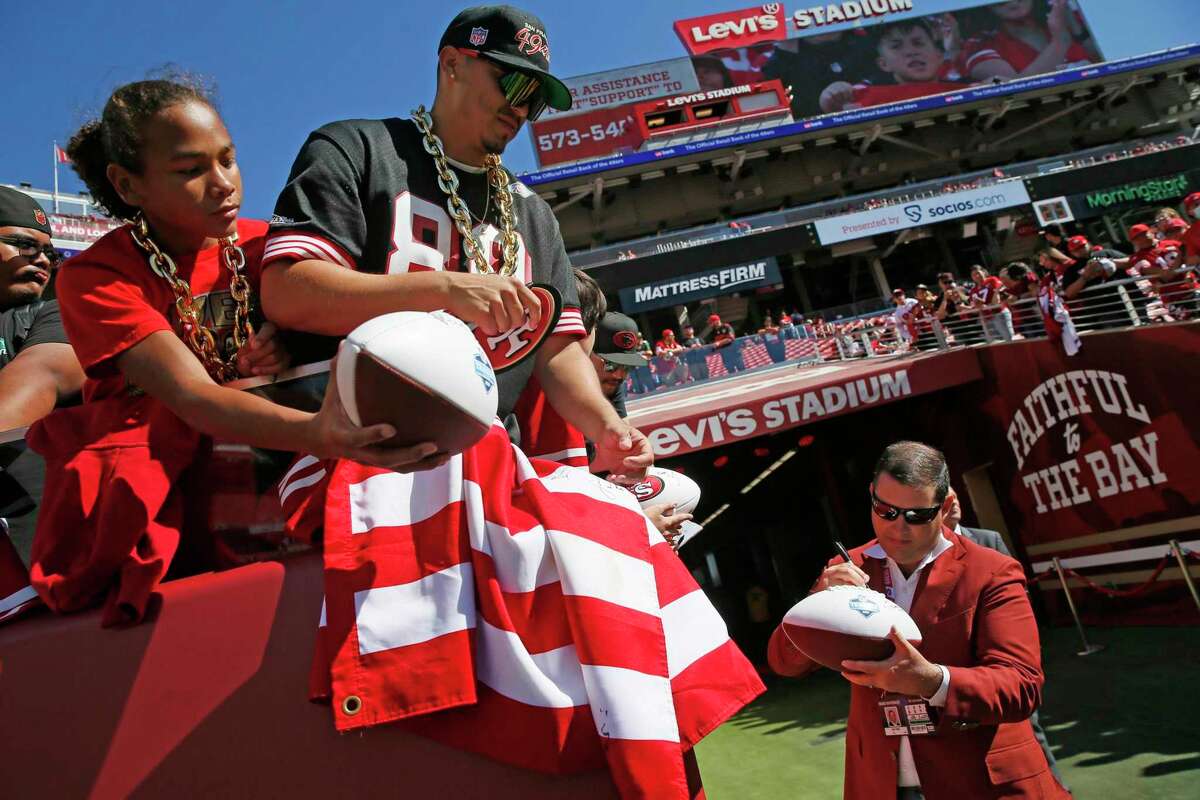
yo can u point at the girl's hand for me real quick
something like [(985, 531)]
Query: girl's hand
[(264, 354)]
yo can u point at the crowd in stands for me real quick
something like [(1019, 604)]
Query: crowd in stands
[(1073, 281), (1072, 284)]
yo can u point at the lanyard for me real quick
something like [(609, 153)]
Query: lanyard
[(888, 591)]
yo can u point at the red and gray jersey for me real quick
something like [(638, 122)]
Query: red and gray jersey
[(364, 194)]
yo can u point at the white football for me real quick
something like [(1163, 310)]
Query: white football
[(847, 622), (667, 486), (424, 374)]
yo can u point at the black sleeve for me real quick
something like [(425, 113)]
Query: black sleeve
[(618, 402), (560, 275), (319, 213), (47, 327)]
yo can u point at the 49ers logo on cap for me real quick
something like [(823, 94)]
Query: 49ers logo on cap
[(626, 340), (531, 42), (40, 216), (509, 348)]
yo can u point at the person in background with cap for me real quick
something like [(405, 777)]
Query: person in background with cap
[(726, 342), (614, 354), (362, 227), (38, 368), (670, 366)]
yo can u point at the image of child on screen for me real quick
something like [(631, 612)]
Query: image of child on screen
[(913, 56)]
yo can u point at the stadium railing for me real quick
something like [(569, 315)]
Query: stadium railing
[(1112, 305)]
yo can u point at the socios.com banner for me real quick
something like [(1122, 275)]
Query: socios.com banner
[(921, 212)]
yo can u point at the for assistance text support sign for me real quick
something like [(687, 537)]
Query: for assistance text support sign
[(689, 288), (862, 224)]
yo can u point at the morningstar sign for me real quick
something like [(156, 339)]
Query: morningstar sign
[(733, 29)]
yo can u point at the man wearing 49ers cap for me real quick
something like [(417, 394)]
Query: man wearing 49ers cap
[(418, 214)]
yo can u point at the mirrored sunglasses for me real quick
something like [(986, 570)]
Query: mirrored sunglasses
[(913, 516)]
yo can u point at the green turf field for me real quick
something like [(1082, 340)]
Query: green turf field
[(1123, 723)]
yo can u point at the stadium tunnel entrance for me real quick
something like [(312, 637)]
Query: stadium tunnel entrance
[(774, 501)]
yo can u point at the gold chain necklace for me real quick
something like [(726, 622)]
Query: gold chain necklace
[(448, 182), (199, 338)]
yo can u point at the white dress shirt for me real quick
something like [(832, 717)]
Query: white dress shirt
[(903, 590)]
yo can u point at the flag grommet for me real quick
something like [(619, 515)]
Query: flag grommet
[(351, 705)]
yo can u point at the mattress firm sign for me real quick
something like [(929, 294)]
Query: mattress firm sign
[(687, 289), (940, 208)]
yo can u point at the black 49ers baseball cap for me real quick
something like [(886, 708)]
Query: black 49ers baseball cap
[(511, 37), (617, 340)]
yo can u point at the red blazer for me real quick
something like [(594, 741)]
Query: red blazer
[(975, 618)]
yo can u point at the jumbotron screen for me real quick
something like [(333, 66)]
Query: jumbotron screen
[(892, 53)]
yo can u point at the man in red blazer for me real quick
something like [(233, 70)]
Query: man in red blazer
[(978, 666)]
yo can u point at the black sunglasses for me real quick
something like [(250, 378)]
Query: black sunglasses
[(519, 88), (913, 516), (612, 366), (29, 248)]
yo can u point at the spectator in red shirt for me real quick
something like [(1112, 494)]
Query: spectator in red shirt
[(987, 298), (1033, 37), (1191, 238), (1163, 264), (726, 342), (671, 369), (911, 52), (160, 155)]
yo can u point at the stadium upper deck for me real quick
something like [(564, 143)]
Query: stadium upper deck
[(729, 173)]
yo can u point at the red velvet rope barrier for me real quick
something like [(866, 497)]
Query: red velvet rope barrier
[(1042, 576), (1134, 592)]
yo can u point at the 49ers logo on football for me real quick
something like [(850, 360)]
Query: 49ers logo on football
[(647, 489), (509, 348)]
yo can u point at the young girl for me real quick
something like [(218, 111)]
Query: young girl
[(160, 314)]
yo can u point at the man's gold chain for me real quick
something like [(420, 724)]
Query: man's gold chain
[(448, 181), (199, 338)]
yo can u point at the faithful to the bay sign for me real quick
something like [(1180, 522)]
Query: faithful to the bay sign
[(1119, 467)]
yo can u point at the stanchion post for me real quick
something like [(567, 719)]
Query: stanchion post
[(1187, 576), (1088, 649)]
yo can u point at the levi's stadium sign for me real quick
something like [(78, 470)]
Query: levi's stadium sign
[(732, 29)]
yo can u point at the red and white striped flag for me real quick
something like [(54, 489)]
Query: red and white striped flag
[(533, 607), (61, 156)]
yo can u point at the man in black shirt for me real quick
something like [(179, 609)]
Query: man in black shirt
[(419, 214), (38, 368)]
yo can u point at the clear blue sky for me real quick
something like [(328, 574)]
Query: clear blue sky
[(285, 67)]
